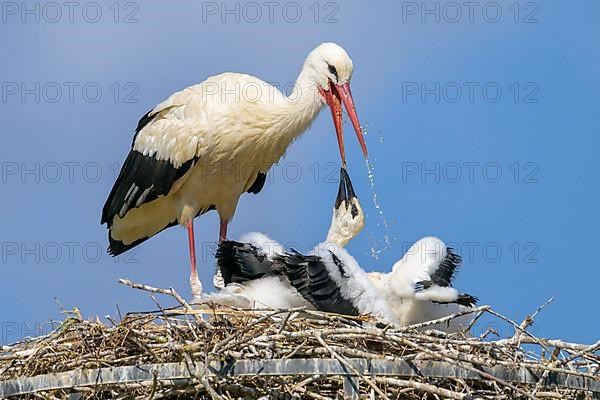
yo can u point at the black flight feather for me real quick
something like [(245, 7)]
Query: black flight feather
[(258, 184), (444, 275), (242, 262), (142, 179), (309, 276)]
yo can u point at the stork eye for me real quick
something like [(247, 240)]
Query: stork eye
[(333, 71)]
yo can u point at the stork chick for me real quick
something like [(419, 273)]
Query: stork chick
[(419, 287)]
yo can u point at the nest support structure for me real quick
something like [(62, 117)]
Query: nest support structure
[(205, 351)]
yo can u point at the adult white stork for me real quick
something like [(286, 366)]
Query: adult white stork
[(260, 273), (205, 146)]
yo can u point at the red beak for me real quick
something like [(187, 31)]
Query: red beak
[(346, 94), (336, 95)]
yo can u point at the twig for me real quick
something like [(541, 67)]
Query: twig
[(239, 340), (444, 319), (169, 292), (350, 367), (423, 387), (470, 368)]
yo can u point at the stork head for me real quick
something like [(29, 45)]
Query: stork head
[(348, 217), (330, 62), (330, 67)]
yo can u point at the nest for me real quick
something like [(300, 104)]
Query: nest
[(220, 353)]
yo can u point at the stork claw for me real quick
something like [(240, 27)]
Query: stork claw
[(196, 286)]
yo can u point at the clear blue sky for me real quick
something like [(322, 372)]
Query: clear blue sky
[(482, 133)]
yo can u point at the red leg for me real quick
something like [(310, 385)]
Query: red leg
[(218, 278), (223, 231), (194, 280)]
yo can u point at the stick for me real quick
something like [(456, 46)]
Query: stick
[(444, 319), (169, 292), (423, 387), (350, 367)]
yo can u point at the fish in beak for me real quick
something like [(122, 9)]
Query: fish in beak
[(335, 96)]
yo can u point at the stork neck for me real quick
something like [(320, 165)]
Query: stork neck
[(339, 230), (335, 237), (347, 221), (301, 107)]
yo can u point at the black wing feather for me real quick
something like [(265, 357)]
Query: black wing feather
[(467, 300), (444, 275), (116, 247), (142, 179), (463, 299), (145, 120), (258, 184), (309, 276), (242, 262)]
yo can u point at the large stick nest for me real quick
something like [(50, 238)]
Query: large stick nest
[(226, 354)]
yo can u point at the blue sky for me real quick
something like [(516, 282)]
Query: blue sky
[(482, 129)]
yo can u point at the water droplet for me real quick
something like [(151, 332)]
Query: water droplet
[(378, 246)]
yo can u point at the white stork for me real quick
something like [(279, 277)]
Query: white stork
[(260, 273), (203, 147)]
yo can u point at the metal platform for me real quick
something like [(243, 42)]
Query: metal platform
[(303, 367)]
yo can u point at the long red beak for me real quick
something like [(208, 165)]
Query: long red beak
[(336, 95), (346, 94)]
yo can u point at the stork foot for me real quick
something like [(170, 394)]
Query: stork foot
[(218, 280), (196, 287)]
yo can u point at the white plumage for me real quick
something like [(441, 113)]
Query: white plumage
[(264, 292), (354, 283), (352, 291), (205, 146), (260, 273), (401, 297), (418, 288), (422, 260)]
